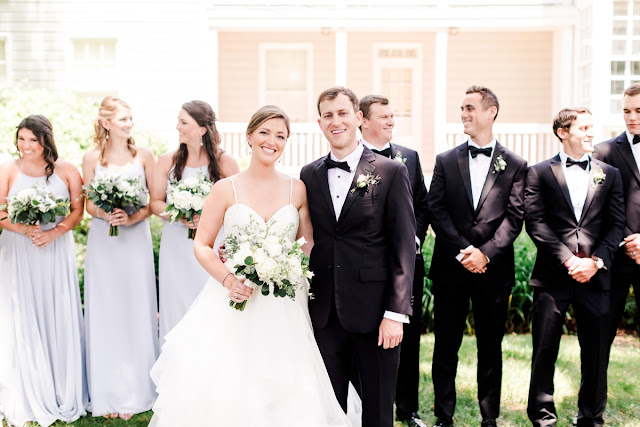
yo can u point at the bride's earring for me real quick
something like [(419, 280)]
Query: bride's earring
[(201, 143), (107, 135)]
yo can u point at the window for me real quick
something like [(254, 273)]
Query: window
[(94, 66), (285, 79), (4, 72), (625, 49)]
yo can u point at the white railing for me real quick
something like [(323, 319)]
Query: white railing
[(534, 142)]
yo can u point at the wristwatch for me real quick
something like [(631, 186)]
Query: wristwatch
[(599, 262)]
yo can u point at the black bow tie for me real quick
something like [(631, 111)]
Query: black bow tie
[(340, 165), (386, 152), (636, 139), (583, 164), (475, 151)]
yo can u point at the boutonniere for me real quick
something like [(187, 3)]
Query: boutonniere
[(398, 158), (598, 176), (499, 165), (364, 181)]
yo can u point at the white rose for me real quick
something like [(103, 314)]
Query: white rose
[(27, 194), (190, 182), (266, 269), (274, 249), (245, 245), (240, 256), (197, 202), (182, 200), (260, 255), (11, 209)]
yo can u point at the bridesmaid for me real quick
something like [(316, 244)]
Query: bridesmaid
[(120, 293), (181, 276), (41, 332)]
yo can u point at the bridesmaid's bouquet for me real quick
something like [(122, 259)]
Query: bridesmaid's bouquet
[(267, 260), (35, 205), (186, 199), (110, 191)]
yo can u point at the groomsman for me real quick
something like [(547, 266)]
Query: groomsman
[(623, 152), (363, 258), (574, 212), (476, 209), (377, 127)]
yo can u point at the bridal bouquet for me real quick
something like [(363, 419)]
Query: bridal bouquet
[(267, 260), (110, 191), (186, 199), (35, 205)]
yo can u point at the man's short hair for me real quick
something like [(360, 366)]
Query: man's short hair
[(489, 99), (331, 94), (632, 90), (367, 101), (565, 117)]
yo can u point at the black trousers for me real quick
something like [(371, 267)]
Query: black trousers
[(377, 368), (619, 291), (451, 308), (409, 370), (591, 308)]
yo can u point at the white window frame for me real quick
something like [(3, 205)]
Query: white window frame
[(6, 38), (416, 65), (71, 59), (262, 72), (628, 57)]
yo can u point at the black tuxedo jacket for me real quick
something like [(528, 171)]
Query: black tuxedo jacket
[(617, 152), (363, 263), (420, 205), (552, 225), (492, 227)]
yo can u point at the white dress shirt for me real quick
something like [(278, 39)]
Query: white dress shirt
[(635, 149), (577, 182), (478, 171), (340, 180), (339, 186)]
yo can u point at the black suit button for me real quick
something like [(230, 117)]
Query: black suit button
[(475, 222), (329, 267), (338, 266), (338, 237)]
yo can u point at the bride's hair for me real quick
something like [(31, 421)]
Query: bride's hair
[(266, 113)]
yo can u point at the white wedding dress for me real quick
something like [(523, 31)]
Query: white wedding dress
[(257, 367)]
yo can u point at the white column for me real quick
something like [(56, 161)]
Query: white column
[(562, 76), (212, 71), (601, 21), (440, 92), (341, 57)]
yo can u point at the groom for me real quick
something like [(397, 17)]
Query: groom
[(363, 258)]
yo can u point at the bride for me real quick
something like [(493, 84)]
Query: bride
[(261, 366)]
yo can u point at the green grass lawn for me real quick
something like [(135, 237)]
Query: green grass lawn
[(623, 408)]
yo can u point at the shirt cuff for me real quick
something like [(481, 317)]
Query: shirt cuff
[(460, 256), (398, 317)]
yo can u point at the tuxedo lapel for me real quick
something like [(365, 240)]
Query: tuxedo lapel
[(491, 176), (556, 168), (591, 189), (323, 182), (365, 167), (627, 155), (463, 165)]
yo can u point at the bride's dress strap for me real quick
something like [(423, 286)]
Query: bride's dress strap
[(234, 190), (290, 189)]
